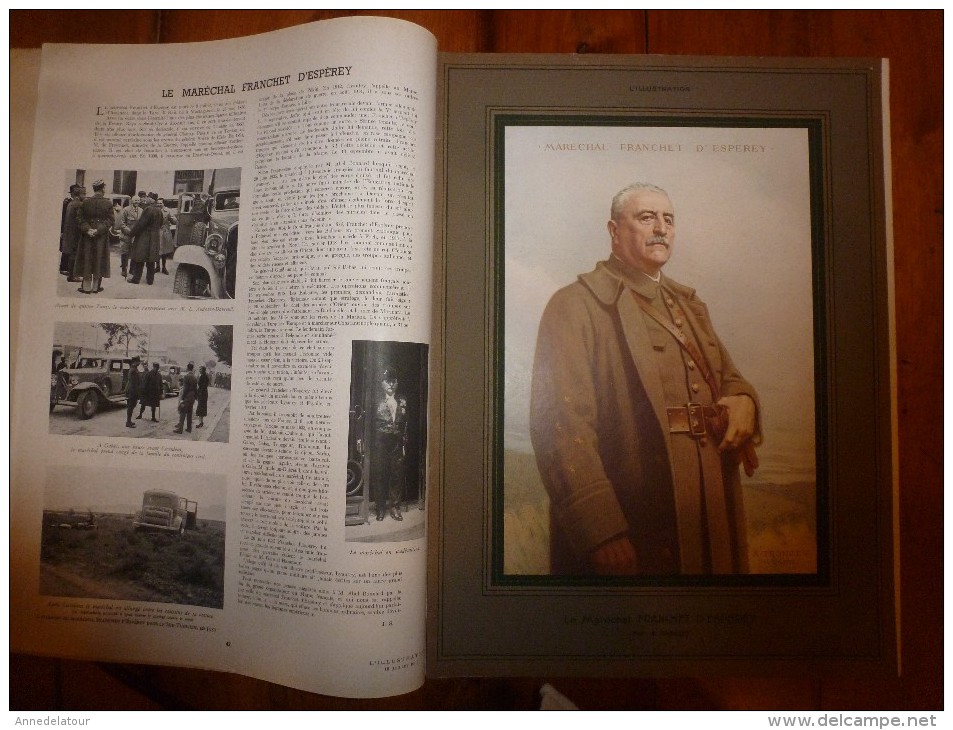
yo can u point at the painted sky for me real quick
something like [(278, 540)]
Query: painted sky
[(743, 241)]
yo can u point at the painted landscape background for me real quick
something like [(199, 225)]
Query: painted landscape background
[(782, 528)]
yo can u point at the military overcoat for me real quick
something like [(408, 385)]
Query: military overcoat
[(600, 429), (146, 235), (92, 252)]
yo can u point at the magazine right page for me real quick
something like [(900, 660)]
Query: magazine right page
[(664, 340)]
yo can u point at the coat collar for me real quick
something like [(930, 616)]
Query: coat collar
[(610, 277)]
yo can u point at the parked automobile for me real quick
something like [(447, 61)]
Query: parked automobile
[(207, 239), (164, 511), (118, 199), (172, 205), (171, 379), (91, 384), (71, 519)]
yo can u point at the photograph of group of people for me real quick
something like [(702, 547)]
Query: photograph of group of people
[(145, 234), (149, 234)]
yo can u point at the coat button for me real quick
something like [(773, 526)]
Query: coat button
[(695, 387)]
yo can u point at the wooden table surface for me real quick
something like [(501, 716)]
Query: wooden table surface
[(913, 41)]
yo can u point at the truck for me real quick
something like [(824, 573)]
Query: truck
[(164, 511)]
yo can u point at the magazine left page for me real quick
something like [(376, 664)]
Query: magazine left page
[(227, 269)]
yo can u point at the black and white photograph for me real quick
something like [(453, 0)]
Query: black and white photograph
[(133, 535), (165, 381), (659, 404), (387, 437), (149, 234)]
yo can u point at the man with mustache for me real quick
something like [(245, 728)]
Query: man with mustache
[(639, 418)]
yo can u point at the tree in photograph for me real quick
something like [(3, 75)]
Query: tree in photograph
[(125, 335), (220, 340)]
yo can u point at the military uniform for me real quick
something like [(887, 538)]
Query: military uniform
[(127, 219), (610, 392), (151, 394), (146, 234), (92, 252), (72, 237), (387, 455), (187, 394), (133, 392)]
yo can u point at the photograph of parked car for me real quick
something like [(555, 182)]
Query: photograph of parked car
[(168, 381), (206, 242)]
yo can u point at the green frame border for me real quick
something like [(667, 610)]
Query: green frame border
[(815, 127)]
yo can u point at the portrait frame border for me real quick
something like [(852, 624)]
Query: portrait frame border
[(817, 129), (846, 623)]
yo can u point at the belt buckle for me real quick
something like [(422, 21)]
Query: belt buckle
[(696, 419)]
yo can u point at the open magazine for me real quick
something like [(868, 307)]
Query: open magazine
[(277, 419)]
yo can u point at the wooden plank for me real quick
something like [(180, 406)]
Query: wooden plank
[(513, 31), (92, 686), (565, 31), (33, 683), (916, 109), (737, 693), (183, 26), (455, 30), (33, 28)]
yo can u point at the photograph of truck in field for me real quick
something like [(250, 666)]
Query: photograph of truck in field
[(138, 535), (164, 511)]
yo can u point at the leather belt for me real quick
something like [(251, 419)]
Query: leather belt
[(693, 419)]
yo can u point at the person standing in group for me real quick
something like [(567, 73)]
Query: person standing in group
[(201, 397), (146, 235), (187, 394), (127, 219), (166, 238), (95, 218), (151, 392), (133, 390), (72, 233)]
